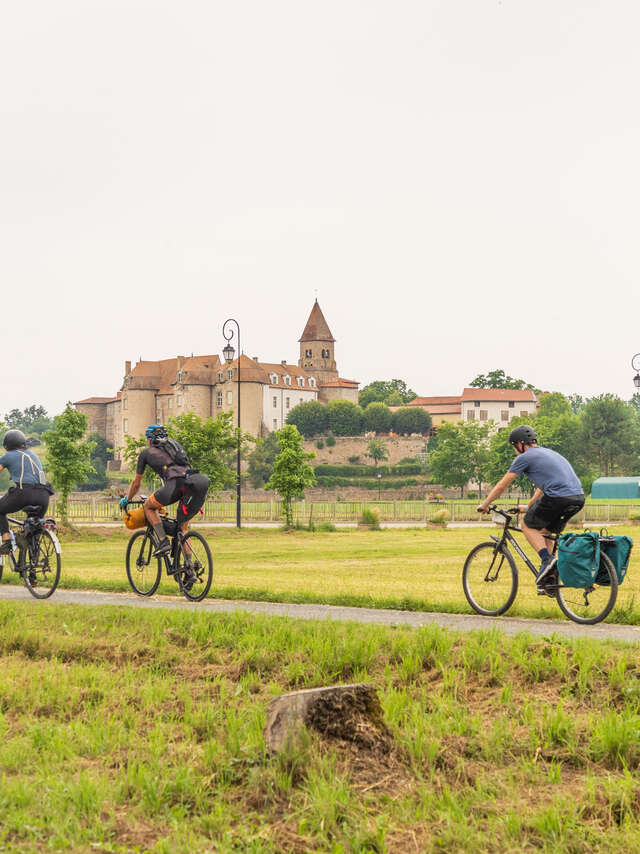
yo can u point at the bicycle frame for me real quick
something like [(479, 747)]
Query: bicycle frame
[(507, 536)]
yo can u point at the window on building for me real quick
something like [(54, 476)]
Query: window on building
[(312, 382), (301, 400), (476, 403), (512, 404), (274, 379), (275, 423), (287, 380), (287, 403), (275, 402), (229, 398), (470, 414), (307, 354), (504, 415), (220, 375), (125, 402), (483, 415), (170, 403), (230, 373), (219, 399), (125, 425), (300, 381), (179, 400)]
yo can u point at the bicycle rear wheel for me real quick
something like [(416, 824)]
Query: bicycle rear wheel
[(194, 566), (589, 605), (490, 579), (143, 570), (42, 573)]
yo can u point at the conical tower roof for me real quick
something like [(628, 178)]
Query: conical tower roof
[(317, 328)]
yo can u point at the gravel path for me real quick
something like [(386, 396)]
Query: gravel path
[(382, 617)]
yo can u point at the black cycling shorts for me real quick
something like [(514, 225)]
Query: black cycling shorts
[(551, 513), (190, 492), (171, 492)]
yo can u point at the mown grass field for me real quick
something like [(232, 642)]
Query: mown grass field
[(129, 731), (416, 569)]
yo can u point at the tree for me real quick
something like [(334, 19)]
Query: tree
[(608, 433), (411, 419), (377, 451), (344, 418), (100, 455), (310, 418), (498, 379), (261, 460), (554, 404), (377, 417), (462, 454), (576, 402), (380, 390), (291, 472), (34, 419), (68, 454), (211, 445)]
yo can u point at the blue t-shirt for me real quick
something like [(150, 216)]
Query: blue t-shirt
[(549, 471), (24, 467)]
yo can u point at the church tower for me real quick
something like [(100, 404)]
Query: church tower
[(317, 348)]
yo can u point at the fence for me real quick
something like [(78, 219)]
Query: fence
[(96, 510)]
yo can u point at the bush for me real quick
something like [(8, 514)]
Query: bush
[(354, 460), (377, 417), (366, 483), (310, 418), (371, 518), (345, 418), (364, 471), (320, 444), (330, 440), (440, 518), (327, 527), (411, 419)]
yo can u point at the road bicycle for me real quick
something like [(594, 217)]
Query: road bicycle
[(188, 560), (36, 555), (490, 576)]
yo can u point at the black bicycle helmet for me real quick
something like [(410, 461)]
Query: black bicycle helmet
[(155, 432), (524, 433), (14, 439)]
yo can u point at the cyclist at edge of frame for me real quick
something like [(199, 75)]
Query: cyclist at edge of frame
[(31, 487), (180, 483), (557, 489)]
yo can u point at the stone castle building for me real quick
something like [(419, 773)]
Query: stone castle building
[(153, 392)]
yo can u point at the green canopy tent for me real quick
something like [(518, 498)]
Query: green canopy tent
[(616, 487)]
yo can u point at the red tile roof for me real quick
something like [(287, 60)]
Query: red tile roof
[(317, 328), (96, 400), (341, 383), (435, 401), (499, 394)]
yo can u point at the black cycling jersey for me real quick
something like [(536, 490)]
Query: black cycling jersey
[(160, 462)]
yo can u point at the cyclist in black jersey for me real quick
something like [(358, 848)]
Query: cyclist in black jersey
[(181, 483)]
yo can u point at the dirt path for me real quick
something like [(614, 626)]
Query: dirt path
[(458, 622)]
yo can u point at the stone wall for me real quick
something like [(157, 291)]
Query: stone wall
[(398, 447)]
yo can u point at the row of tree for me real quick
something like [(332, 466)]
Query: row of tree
[(344, 418), (603, 439)]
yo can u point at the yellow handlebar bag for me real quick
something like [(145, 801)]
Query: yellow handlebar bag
[(135, 518)]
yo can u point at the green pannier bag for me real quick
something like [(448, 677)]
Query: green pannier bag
[(618, 550), (578, 558)]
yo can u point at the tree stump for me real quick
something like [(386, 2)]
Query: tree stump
[(348, 712)]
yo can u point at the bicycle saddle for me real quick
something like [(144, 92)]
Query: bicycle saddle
[(33, 510)]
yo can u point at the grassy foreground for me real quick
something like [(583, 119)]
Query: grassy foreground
[(143, 732), (415, 569)]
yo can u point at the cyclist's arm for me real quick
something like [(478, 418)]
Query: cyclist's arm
[(497, 490), (135, 486), (536, 495)]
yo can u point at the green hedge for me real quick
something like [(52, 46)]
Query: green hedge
[(366, 483), (366, 471)]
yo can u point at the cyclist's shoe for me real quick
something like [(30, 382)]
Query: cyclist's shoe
[(547, 579), (546, 568), (163, 548), (5, 548), (33, 579), (189, 578)]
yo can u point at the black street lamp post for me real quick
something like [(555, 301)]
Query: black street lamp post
[(228, 352), (379, 476), (635, 364)]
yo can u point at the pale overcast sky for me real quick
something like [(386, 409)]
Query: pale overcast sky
[(457, 181)]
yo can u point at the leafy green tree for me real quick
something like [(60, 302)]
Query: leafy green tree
[(33, 419), (68, 454), (634, 403), (310, 418), (553, 404), (498, 379), (292, 473), (394, 399), (381, 390), (377, 417), (608, 431), (261, 460), (211, 445), (411, 419), (344, 418), (377, 451), (102, 452), (462, 454), (576, 402)]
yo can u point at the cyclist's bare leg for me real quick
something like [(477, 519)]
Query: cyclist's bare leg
[(537, 538), (151, 507), (186, 546)]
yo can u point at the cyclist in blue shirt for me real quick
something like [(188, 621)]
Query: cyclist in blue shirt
[(31, 487), (558, 494)]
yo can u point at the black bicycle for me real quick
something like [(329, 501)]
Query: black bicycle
[(188, 561), (36, 555), (490, 577)]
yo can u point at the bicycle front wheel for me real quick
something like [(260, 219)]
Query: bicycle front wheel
[(143, 569), (589, 605), (490, 579), (194, 566), (42, 574)]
